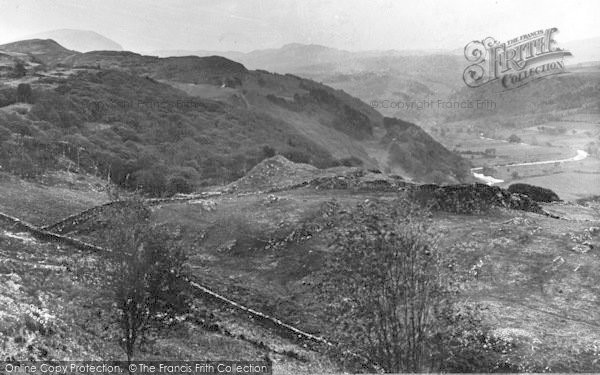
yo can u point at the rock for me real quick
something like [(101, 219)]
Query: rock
[(581, 248)]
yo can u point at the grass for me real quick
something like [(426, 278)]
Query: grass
[(569, 185), (538, 291), (53, 307), (266, 253), (43, 203), (570, 180)]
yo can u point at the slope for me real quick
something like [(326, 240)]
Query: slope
[(197, 121)]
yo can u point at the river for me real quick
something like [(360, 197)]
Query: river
[(491, 180)]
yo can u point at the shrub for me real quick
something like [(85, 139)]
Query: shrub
[(514, 139), (297, 156), (392, 293), (179, 184), (23, 166), (19, 70), (4, 134), (150, 181), (352, 161), (268, 151), (144, 277), (24, 93), (537, 193), (7, 96)]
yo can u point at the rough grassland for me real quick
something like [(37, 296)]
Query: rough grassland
[(46, 203), (53, 307), (537, 276)]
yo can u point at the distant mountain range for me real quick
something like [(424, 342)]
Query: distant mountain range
[(293, 57), (392, 76)]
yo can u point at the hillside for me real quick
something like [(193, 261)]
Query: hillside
[(79, 40), (46, 51), (367, 75), (172, 124), (534, 275)]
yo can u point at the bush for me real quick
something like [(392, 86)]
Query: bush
[(19, 70), (352, 161), (179, 184), (514, 139), (4, 134), (537, 193), (297, 156), (7, 97), (23, 166), (268, 151), (392, 293), (150, 181), (144, 277), (24, 93)]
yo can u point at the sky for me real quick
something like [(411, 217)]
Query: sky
[(245, 25)]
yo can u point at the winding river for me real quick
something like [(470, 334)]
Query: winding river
[(491, 180)]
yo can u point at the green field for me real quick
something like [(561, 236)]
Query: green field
[(542, 142)]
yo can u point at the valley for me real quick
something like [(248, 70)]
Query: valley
[(260, 182)]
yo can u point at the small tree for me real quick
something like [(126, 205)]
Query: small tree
[(24, 93), (145, 282), (391, 292), (268, 151), (514, 139), (19, 70)]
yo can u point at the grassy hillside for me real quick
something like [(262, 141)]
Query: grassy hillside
[(46, 51), (534, 275), (54, 307)]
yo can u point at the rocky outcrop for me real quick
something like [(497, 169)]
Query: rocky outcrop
[(472, 198)]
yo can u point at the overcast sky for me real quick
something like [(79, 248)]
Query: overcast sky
[(244, 25)]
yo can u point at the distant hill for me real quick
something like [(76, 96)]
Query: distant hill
[(148, 122), (575, 91), (586, 50), (80, 40), (47, 51), (390, 75)]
